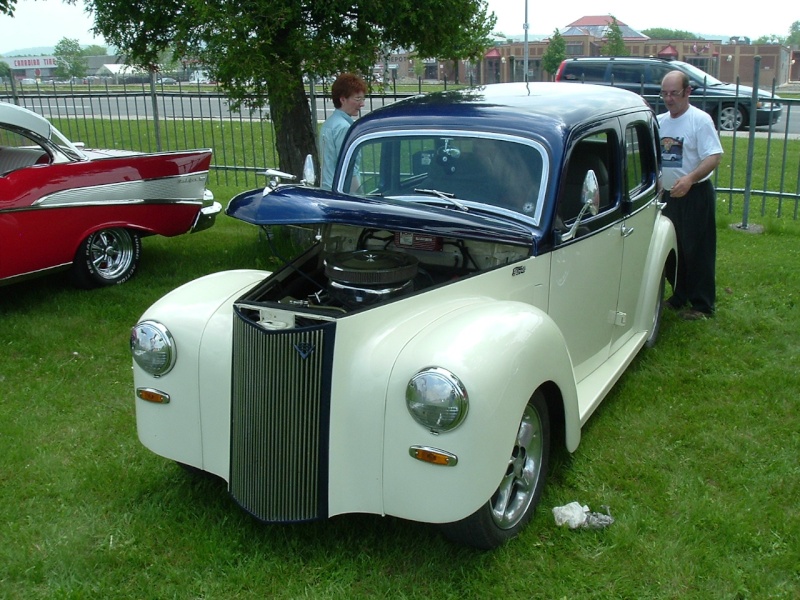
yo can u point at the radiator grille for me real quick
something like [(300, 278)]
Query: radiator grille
[(279, 420)]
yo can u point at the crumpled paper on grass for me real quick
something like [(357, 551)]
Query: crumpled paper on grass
[(577, 516)]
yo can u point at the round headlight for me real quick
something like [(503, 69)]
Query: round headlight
[(153, 348), (437, 399)]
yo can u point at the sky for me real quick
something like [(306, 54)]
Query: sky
[(45, 22)]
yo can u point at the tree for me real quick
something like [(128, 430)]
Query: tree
[(259, 50), (94, 50), (615, 44), (794, 34), (70, 58), (556, 52), (660, 33), (770, 39), (7, 7)]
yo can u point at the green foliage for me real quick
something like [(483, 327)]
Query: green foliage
[(661, 33), (7, 7), (259, 49), (71, 59), (794, 34), (615, 43), (556, 52), (94, 50), (5, 70), (770, 39)]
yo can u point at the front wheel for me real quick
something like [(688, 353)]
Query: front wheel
[(511, 507), (107, 257), (732, 118)]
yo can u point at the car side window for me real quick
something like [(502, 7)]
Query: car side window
[(657, 73), (627, 73), (640, 162), (18, 151), (592, 152)]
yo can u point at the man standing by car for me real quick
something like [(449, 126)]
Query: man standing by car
[(690, 151), (348, 97)]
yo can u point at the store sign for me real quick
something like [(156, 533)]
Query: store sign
[(31, 62)]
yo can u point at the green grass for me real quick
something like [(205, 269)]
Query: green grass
[(695, 451)]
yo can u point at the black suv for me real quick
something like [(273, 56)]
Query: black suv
[(729, 109)]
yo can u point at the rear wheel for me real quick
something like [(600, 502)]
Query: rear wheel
[(107, 257), (511, 507), (659, 311)]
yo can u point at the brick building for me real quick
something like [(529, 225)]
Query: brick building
[(586, 37)]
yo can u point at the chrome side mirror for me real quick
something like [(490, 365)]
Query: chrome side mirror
[(590, 195), (309, 173), (590, 202)]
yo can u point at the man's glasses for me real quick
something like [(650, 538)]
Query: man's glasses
[(672, 94)]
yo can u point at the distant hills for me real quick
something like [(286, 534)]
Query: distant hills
[(45, 50), (35, 51)]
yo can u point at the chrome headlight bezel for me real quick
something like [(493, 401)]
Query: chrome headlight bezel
[(437, 399), (153, 348)]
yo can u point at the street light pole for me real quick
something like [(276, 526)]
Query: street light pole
[(525, 27)]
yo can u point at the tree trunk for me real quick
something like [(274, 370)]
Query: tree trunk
[(294, 133)]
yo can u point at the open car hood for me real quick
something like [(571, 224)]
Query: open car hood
[(301, 205)]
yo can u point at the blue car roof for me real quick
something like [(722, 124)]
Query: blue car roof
[(546, 111)]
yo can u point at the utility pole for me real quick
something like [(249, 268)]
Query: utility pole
[(525, 27)]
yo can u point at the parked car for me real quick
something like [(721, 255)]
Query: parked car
[(66, 207), (728, 105), (499, 267)]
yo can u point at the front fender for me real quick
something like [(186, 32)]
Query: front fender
[(502, 352), (199, 384)]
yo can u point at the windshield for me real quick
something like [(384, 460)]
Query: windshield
[(701, 75), (450, 168), (67, 147)]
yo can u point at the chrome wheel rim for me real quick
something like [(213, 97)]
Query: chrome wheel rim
[(515, 494), (111, 252)]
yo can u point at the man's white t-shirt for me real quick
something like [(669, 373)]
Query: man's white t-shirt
[(685, 142)]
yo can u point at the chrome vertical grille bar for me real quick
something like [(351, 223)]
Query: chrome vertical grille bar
[(279, 420)]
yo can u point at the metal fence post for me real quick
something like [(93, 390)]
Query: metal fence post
[(748, 182), (154, 100)]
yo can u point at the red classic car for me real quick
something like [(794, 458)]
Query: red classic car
[(65, 207)]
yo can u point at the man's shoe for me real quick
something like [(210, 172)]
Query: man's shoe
[(673, 304)]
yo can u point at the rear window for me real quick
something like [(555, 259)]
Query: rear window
[(584, 71)]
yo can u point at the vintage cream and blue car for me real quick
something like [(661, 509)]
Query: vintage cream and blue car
[(500, 264)]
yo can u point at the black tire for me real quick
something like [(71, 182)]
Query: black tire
[(511, 507), (107, 257), (659, 312), (731, 117)]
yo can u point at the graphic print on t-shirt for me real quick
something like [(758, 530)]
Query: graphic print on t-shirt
[(671, 152)]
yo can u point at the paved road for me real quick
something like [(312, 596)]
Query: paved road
[(174, 105)]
